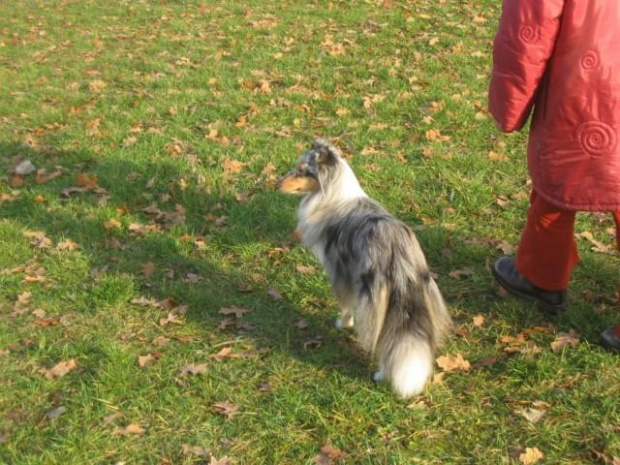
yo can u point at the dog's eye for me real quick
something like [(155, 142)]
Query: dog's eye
[(304, 168)]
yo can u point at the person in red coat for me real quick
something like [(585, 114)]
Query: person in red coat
[(559, 60)]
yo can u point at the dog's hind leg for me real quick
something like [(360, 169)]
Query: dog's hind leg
[(379, 375)]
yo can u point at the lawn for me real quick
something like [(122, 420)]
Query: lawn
[(155, 307)]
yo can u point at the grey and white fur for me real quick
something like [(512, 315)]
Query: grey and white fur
[(377, 269)]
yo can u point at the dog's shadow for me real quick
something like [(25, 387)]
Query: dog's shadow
[(235, 252)]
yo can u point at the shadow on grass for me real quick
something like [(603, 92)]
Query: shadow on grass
[(245, 253), (198, 261)]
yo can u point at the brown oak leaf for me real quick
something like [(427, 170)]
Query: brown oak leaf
[(132, 428), (59, 370), (531, 456), (238, 312), (194, 369), (453, 363), (562, 340), (226, 408)]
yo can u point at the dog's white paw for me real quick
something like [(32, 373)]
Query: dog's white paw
[(378, 376), (342, 324)]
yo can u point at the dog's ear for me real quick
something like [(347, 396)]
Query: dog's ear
[(327, 154)]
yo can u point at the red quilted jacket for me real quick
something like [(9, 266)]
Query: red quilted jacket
[(562, 58)]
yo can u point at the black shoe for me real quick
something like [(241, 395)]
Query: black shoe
[(610, 339), (506, 274)]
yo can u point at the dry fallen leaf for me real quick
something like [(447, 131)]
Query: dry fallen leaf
[(43, 176), (195, 450), (465, 272), (225, 352), (506, 248), (453, 363), (59, 370), (478, 320), (597, 246), (144, 302), (22, 304), (232, 166), (502, 201), (194, 369), (328, 453), (68, 245), (4, 197), (226, 408), (244, 326), (161, 341), (38, 239), (528, 348), (238, 312), (420, 404), (532, 415), (313, 343), (148, 359), (520, 344), (494, 156), (225, 323), (562, 340), (86, 181), (23, 299), (223, 461), (274, 293), (39, 313), (112, 418), (531, 456), (438, 377), (56, 412), (130, 429), (17, 180), (24, 168), (193, 278), (172, 318), (600, 457), (49, 321), (148, 269), (111, 224), (305, 269), (433, 134), (97, 85), (512, 340), (301, 324)]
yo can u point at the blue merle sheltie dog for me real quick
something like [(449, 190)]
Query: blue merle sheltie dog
[(376, 267)]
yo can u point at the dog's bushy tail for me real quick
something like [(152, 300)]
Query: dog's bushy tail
[(414, 326), (411, 319)]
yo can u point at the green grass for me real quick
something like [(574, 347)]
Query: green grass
[(188, 86)]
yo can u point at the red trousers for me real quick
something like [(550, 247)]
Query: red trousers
[(547, 252)]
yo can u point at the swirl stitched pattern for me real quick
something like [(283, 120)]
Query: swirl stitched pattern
[(589, 60), (596, 138), (528, 34)]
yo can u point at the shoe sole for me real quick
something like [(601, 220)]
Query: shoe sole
[(540, 304), (608, 345)]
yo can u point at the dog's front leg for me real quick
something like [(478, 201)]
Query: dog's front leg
[(346, 316)]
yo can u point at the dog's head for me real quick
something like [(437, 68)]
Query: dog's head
[(312, 170)]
